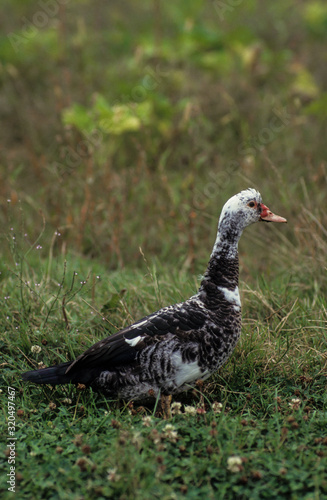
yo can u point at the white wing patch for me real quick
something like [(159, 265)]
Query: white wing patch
[(186, 372), (133, 342), (232, 296)]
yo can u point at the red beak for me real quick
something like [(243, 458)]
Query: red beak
[(267, 215)]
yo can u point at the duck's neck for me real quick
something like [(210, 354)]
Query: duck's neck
[(223, 268)]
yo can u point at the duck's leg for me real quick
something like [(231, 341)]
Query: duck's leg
[(165, 406), (199, 384)]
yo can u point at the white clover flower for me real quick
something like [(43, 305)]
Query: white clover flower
[(67, 401), (234, 464), (35, 349), (190, 410), (295, 403), (169, 427), (112, 475), (147, 421), (170, 433), (137, 439), (176, 408), (217, 407)]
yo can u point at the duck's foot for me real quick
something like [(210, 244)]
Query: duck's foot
[(165, 401)]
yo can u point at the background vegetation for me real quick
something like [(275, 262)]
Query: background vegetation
[(126, 126)]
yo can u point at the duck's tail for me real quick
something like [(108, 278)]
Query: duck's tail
[(53, 375)]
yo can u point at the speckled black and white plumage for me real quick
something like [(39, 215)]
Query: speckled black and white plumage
[(169, 350)]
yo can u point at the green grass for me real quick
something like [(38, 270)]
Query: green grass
[(273, 392), (126, 129)]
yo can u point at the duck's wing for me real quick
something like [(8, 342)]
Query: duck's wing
[(121, 348)]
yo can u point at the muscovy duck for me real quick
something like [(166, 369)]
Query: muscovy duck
[(170, 350)]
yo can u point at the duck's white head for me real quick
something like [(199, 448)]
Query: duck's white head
[(240, 211), (245, 208)]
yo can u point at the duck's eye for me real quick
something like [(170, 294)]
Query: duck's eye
[(251, 204)]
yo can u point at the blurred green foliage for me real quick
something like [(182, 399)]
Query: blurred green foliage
[(129, 125)]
